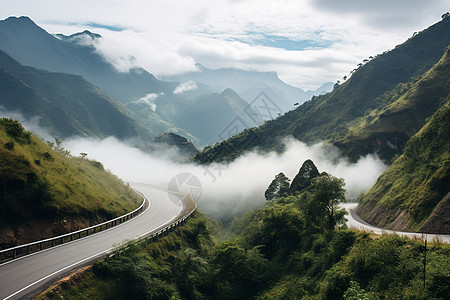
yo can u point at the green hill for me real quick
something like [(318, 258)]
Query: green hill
[(44, 193), (361, 102), (413, 194)]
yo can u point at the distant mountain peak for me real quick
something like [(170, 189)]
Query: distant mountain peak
[(19, 19), (200, 67), (80, 37)]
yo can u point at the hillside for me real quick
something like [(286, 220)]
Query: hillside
[(359, 103), (407, 108), (413, 194), (44, 193), (65, 104)]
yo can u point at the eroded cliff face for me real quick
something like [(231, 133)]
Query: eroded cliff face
[(413, 193), (439, 220)]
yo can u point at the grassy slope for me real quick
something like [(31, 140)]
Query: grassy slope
[(41, 188), (363, 97), (406, 194)]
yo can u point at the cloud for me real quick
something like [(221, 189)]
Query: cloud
[(169, 37), (385, 14), (185, 87), (149, 100), (229, 189)]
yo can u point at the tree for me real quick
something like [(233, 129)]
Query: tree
[(327, 192), (302, 180), (279, 187), (336, 85), (59, 147), (83, 155)]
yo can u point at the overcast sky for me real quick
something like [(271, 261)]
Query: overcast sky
[(307, 42)]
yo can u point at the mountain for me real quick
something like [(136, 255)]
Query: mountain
[(65, 104), (205, 118), (159, 107), (167, 142), (32, 46), (249, 84), (216, 117), (414, 193), (44, 193), (376, 110)]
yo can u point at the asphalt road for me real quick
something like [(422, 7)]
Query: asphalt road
[(354, 221), (26, 276)]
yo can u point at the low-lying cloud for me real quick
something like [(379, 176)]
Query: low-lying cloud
[(185, 87), (149, 100), (234, 188)]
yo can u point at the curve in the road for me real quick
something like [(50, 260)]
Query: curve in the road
[(24, 277), (354, 221)]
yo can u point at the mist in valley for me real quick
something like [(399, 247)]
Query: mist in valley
[(228, 189)]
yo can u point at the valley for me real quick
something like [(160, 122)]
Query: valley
[(299, 183)]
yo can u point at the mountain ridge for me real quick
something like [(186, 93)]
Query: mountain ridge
[(65, 103), (329, 117)]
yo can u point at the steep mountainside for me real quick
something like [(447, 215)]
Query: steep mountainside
[(365, 101), (44, 193), (216, 117), (65, 104), (414, 193), (205, 118), (31, 45)]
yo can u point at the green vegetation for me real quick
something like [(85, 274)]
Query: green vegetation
[(286, 250), (384, 103), (279, 187), (41, 184), (411, 193)]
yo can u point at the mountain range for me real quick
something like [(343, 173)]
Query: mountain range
[(66, 104), (249, 84), (160, 106)]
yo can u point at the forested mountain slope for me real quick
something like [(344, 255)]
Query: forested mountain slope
[(361, 105)]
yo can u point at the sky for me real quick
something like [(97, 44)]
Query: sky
[(307, 42)]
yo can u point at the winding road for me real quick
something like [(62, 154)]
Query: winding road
[(354, 221), (28, 275)]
